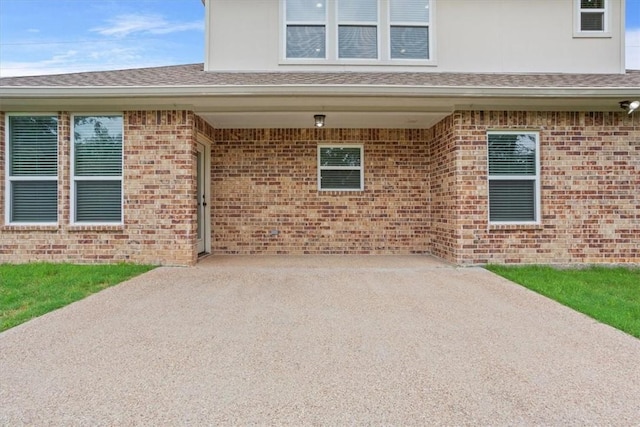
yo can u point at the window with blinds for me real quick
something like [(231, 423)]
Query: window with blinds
[(97, 169), (409, 32), (340, 168), (358, 29), (592, 15), (513, 177), (306, 32), (32, 172)]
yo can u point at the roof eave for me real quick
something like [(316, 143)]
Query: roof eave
[(314, 90), (295, 98)]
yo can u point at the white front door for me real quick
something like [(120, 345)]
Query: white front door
[(203, 221)]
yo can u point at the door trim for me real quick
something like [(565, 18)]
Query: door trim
[(206, 220)]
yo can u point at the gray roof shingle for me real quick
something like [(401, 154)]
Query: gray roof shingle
[(194, 75)]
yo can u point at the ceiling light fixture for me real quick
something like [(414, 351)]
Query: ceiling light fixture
[(630, 106), (319, 120)]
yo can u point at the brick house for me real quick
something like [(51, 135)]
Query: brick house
[(505, 142)]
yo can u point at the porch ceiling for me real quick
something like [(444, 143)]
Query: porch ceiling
[(334, 119), (404, 111)]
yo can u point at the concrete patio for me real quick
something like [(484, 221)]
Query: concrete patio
[(322, 340)]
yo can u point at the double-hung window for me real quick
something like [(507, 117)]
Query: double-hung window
[(409, 30), (358, 29), (514, 177), (97, 169), (592, 17), (340, 167), (306, 29), (32, 169)]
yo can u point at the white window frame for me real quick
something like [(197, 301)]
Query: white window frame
[(536, 179), (577, 19), (9, 179), (383, 38), (75, 178), (360, 168)]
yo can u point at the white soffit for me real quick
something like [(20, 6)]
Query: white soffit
[(334, 119)]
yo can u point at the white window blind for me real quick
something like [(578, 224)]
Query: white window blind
[(32, 173), (409, 32), (358, 29), (340, 167), (97, 169), (513, 177), (306, 32), (593, 15)]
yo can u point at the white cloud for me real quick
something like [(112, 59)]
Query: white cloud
[(48, 66), (633, 49), (123, 25), (45, 67), (110, 50), (84, 58), (125, 41)]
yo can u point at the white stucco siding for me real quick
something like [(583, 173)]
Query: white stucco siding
[(243, 35), (522, 36), (508, 36)]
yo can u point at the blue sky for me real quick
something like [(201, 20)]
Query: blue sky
[(63, 36)]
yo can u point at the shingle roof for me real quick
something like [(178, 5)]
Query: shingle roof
[(194, 75)]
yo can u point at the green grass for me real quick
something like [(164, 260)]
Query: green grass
[(610, 295), (31, 290)]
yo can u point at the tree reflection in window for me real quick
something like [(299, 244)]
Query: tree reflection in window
[(340, 167)]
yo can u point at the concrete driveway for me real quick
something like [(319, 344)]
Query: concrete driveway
[(318, 341)]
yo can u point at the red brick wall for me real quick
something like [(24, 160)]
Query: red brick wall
[(425, 192), (266, 180), (160, 186), (159, 194), (590, 179), (444, 188)]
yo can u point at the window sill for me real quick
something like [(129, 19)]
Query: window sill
[(496, 226), (29, 227), (592, 35), (359, 63), (95, 227)]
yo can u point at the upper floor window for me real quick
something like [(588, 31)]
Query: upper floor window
[(97, 169), (592, 17), (306, 32), (32, 169), (409, 29), (514, 177), (357, 30)]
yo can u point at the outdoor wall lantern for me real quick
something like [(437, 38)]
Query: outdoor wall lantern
[(630, 106), (319, 120)]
